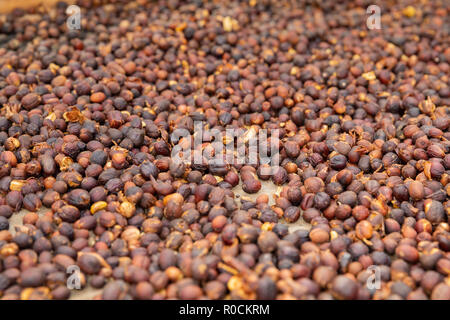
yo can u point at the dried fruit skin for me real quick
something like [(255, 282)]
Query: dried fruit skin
[(227, 150)]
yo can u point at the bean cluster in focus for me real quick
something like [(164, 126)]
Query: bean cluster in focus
[(86, 123)]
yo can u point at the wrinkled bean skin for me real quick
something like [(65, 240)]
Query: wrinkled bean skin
[(104, 184)]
